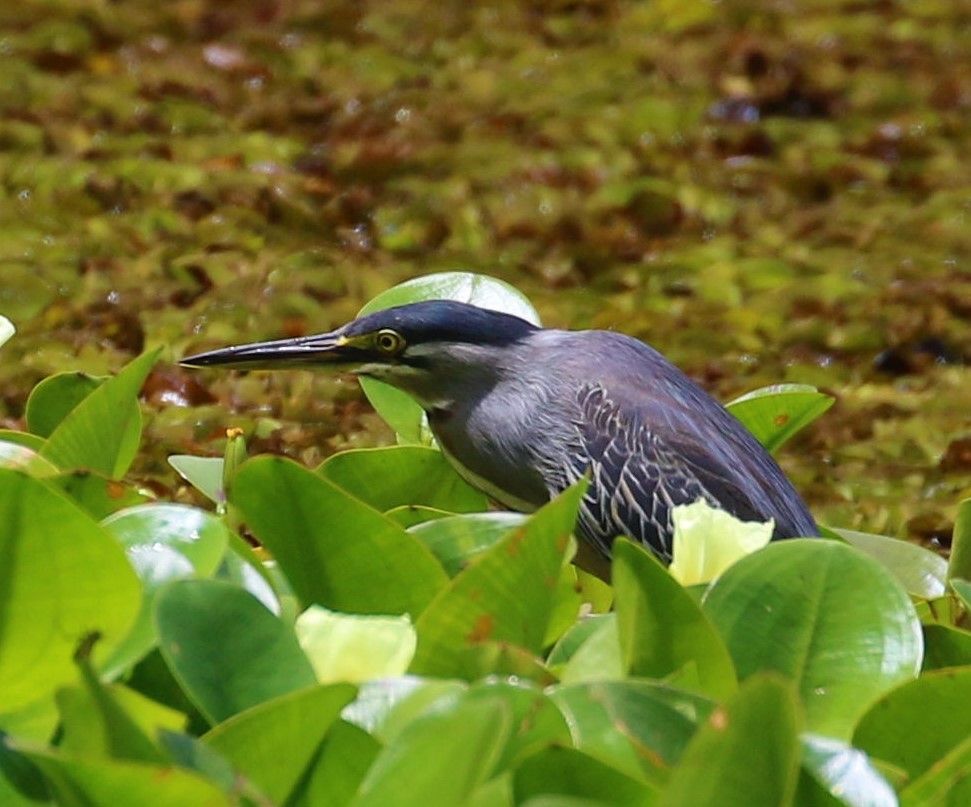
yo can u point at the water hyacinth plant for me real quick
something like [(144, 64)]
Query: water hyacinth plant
[(393, 641)]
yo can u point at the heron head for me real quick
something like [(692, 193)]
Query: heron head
[(421, 348)]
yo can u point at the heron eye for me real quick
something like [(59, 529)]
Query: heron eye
[(389, 342)]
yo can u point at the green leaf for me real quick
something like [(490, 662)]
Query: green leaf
[(97, 494), (747, 753), (959, 565), (922, 572), (385, 707), (639, 727), (456, 540), (945, 646), (22, 458), (21, 782), (351, 647), (62, 578), (275, 744), (227, 651), (662, 630), (506, 595), (963, 590), (591, 651), (164, 542), (774, 414), (335, 550), (52, 399), (96, 722), (536, 720), (948, 782), (108, 783), (102, 432), (345, 757), (31, 441), (440, 758), (396, 407), (205, 474), (395, 476), (845, 773), (826, 616), (917, 725), (569, 772)]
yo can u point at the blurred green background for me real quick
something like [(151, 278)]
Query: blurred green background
[(766, 193)]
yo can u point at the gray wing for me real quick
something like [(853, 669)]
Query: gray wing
[(640, 468)]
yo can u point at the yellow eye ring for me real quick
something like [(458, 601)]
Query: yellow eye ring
[(389, 342)]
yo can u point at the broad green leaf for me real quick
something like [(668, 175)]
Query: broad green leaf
[(335, 550), (569, 644), (536, 721), (31, 441), (351, 647), (845, 773), (102, 432), (918, 724), (599, 658), (773, 414), (639, 727), (86, 782), (945, 646), (342, 763), (53, 398), (396, 407), (62, 578), (662, 629), (506, 595), (947, 783), (455, 540), (36, 721), (564, 771), (497, 792), (98, 495), (196, 535), (22, 784), (95, 721), (384, 707), (410, 515), (824, 615), (395, 476), (959, 566), (440, 758), (275, 743), (19, 457), (963, 590), (205, 474), (6, 329), (193, 754), (227, 651), (922, 572), (242, 567), (164, 542), (747, 753)]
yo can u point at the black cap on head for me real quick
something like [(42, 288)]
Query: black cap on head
[(444, 321)]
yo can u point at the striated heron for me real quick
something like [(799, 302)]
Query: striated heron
[(522, 412)]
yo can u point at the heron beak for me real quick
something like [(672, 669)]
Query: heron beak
[(318, 350)]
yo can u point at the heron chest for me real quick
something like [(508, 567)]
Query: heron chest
[(498, 464)]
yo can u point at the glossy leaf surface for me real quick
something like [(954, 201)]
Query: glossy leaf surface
[(226, 650), (795, 608), (47, 546), (335, 550)]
